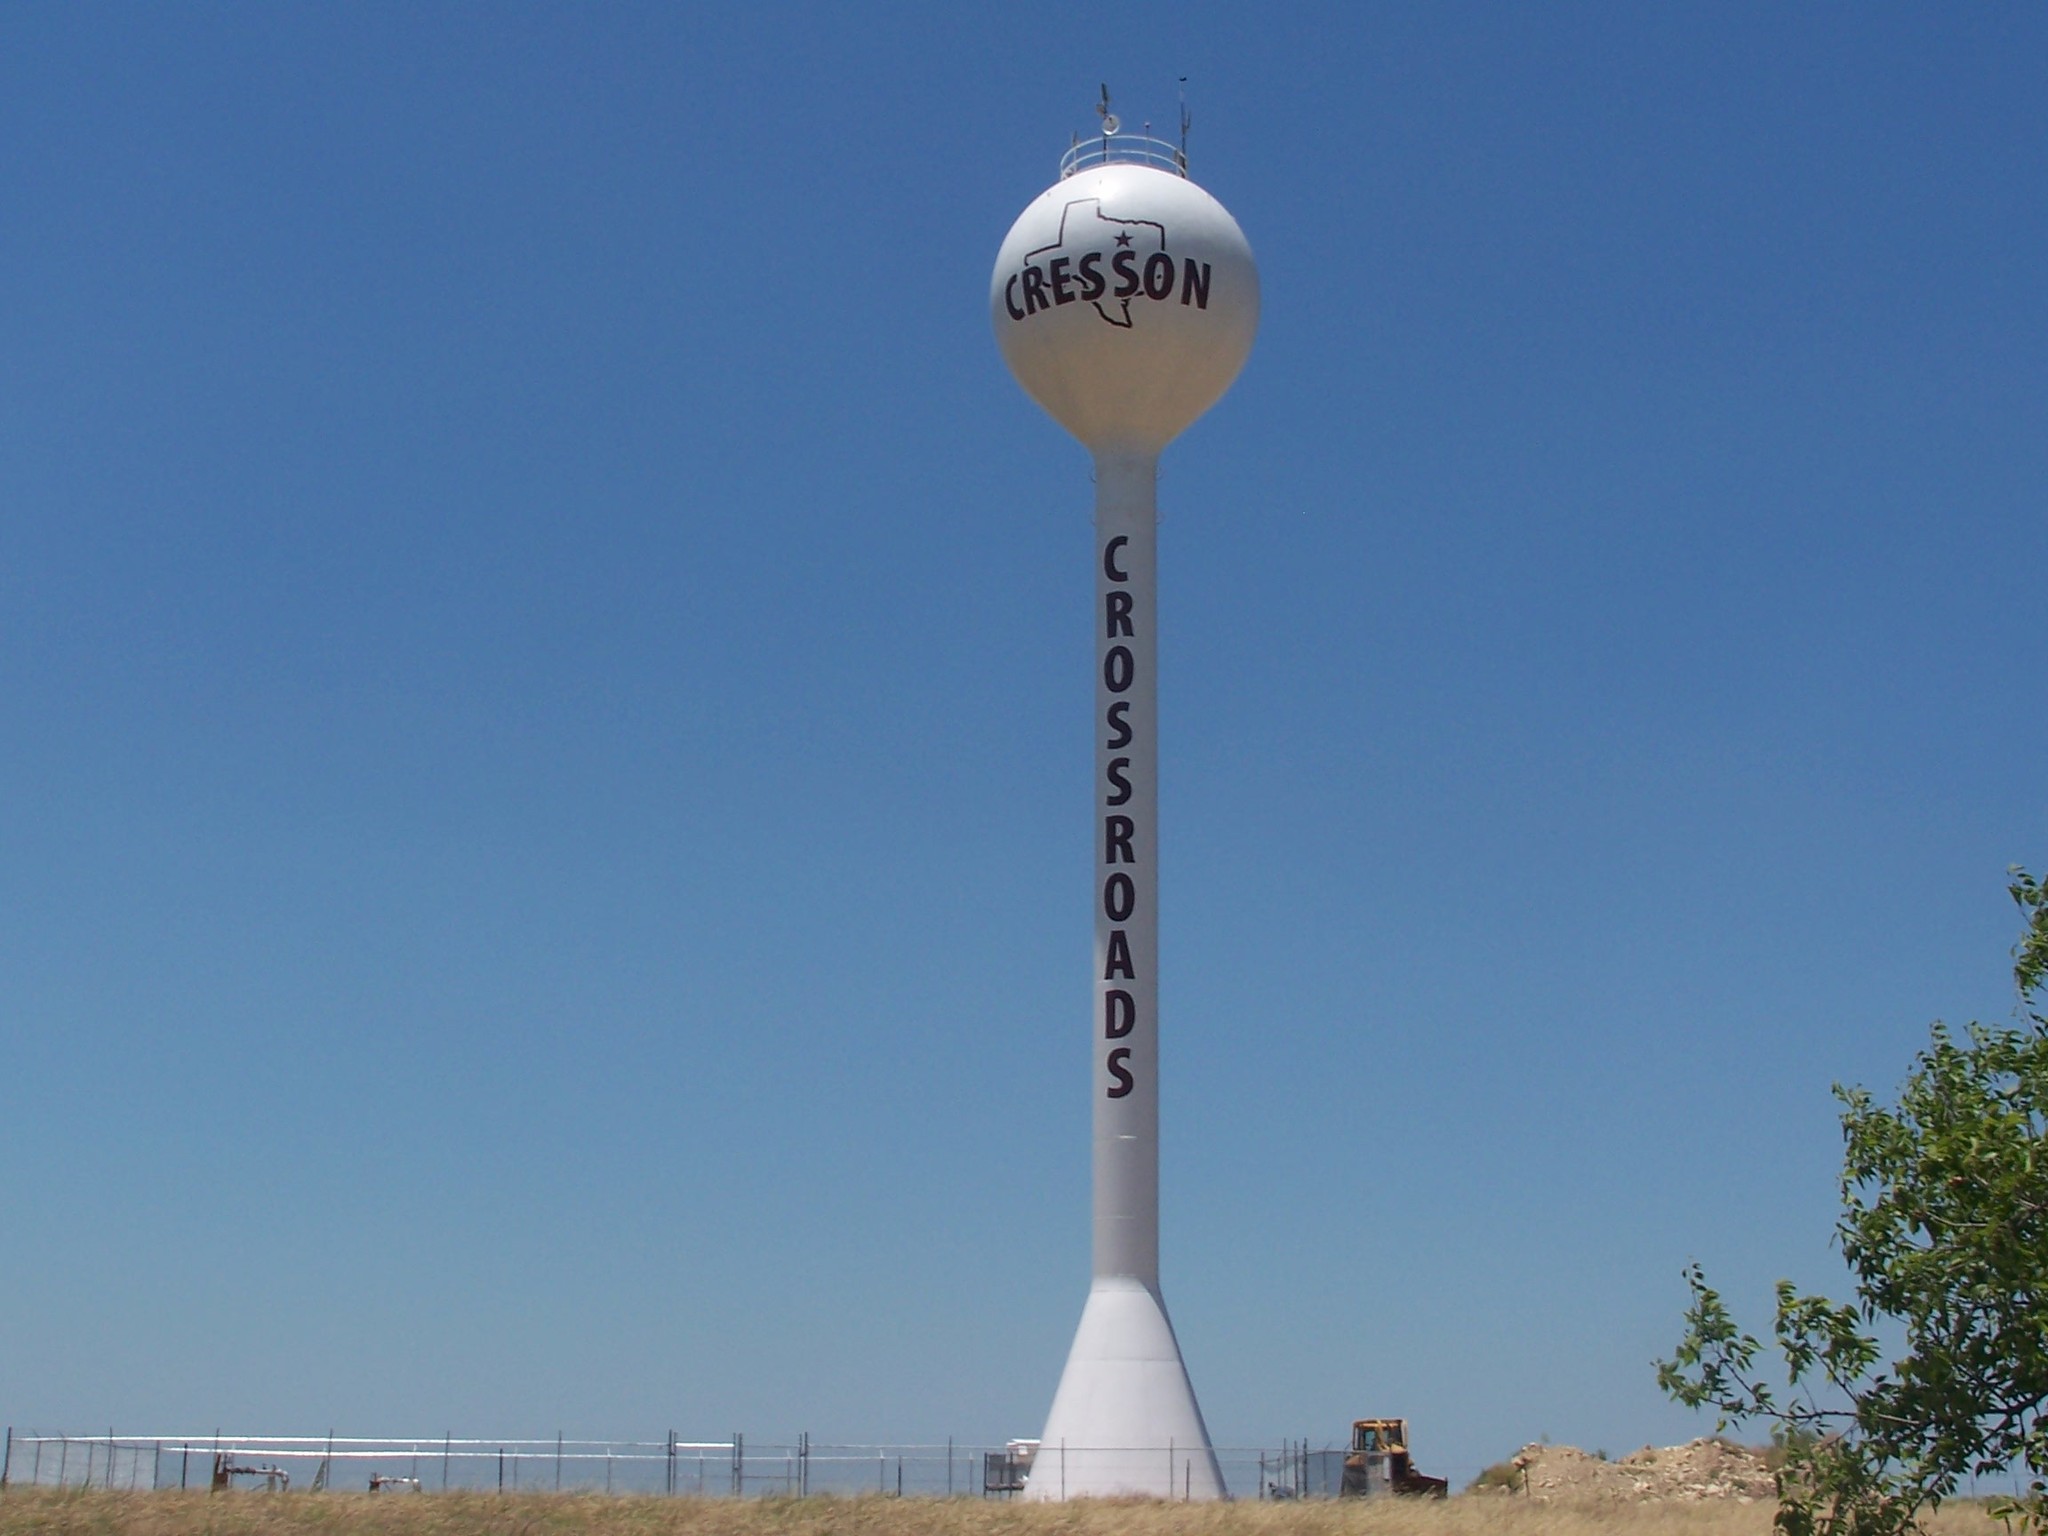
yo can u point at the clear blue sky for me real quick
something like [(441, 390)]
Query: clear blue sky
[(544, 701)]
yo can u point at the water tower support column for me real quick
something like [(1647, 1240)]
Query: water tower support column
[(1126, 869), (1125, 1420)]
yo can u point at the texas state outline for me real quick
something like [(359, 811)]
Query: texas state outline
[(1125, 226)]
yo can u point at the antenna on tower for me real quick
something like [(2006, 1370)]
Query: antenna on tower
[(1184, 121), (1110, 122)]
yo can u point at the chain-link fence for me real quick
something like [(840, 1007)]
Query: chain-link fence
[(730, 1468)]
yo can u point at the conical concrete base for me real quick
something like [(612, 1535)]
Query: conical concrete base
[(1124, 1421)]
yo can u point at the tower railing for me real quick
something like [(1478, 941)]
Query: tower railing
[(1123, 149)]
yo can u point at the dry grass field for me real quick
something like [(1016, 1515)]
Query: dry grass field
[(48, 1512)]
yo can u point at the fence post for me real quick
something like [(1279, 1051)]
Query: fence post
[(501, 1469), (949, 1466), (558, 1461), (447, 1444), (671, 1463), (7, 1460)]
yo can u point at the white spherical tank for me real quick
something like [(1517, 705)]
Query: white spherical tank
[(1124, 300)]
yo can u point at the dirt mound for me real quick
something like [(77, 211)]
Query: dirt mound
[(1702, 1469)]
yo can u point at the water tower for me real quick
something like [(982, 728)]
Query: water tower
[(1124, 300)]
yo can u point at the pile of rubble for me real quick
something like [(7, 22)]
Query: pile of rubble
[(1702, 1469)]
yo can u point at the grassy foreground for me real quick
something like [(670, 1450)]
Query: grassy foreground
[(50, 1512)]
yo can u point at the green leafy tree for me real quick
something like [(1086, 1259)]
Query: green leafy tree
[(1944, 1228)]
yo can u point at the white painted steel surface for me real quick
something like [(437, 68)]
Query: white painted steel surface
[(1126, 1087), (1125, 299)]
